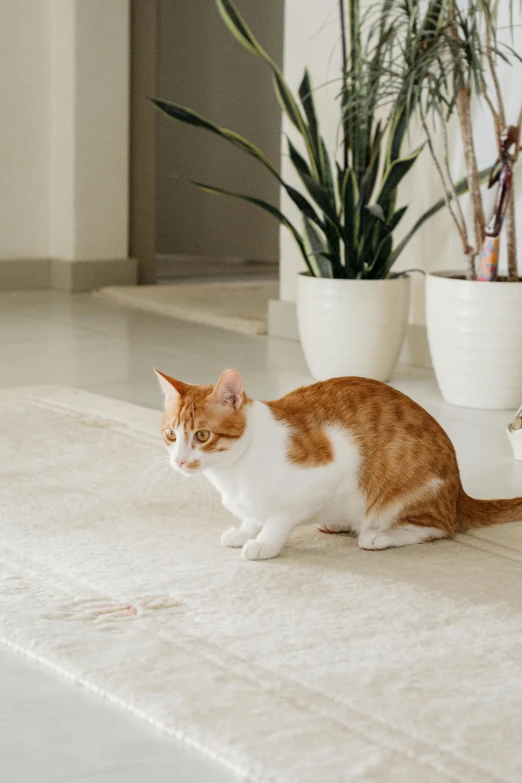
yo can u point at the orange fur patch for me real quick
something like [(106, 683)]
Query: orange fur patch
[(310, 448)]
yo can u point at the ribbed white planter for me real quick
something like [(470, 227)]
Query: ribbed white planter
[(352, 327), (475, 337)]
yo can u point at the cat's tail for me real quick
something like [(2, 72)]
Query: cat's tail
[(481, 513)]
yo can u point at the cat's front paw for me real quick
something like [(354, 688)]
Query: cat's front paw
[(259, 550), (235, 537)]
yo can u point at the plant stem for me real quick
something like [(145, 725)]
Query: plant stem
[(511, 217), (461, 227), (447, 166), (511, 228), (344, 100), (479, 220), (355, 129), (490, 48)]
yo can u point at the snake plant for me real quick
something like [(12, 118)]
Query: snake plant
[(348, 198)]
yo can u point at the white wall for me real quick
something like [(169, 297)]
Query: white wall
[(312, 39), (24, 129), (64, 131)]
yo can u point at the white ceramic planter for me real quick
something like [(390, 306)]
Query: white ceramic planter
[(475, 337), (352, 327)]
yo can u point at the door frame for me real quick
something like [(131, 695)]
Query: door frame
[(144, 62)]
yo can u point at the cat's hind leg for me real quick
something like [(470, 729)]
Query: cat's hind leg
[(399, 535)]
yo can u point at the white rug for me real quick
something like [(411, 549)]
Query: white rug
[(240, 305), (327, 665)]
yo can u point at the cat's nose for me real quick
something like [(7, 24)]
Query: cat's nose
[(180, 462)]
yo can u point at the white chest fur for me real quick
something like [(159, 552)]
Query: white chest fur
[(262, 481)]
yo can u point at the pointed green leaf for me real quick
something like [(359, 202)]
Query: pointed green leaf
[(396, 218), (307, 102), (367, 183), (377, 211), (288, 103), (392, 178), (396, 136), (318, 250), (274, 211), (240, 30), (299, 163), (378, 266), (351, 219), (303, 205), (327, 176), (319, 194), (189, 117)]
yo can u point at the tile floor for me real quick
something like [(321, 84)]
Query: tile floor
[(51, 731)]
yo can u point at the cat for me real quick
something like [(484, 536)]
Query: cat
[(350, 454)]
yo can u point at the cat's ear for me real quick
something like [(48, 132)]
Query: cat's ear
[(229, 389), (171, 388)]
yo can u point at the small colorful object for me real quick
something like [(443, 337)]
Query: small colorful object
[(488, 259), (501, 175)]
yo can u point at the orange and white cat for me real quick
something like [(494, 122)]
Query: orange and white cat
[(350, 454)]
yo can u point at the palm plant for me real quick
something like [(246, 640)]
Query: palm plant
[(348, 200), (460, 65)]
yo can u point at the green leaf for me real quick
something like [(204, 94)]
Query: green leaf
[(299, 163), (307, 102), (351, 222), (288, 103), (369, 178), (240, 30), (319, 194), (393, 176), (378, 266), (318, 251), (396, 218), (377, 211), (303, 205), (189, 117), (274, 211), (299, 200), (396, 135), (328, 180)]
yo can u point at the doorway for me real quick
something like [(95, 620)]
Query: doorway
[(182, 51)]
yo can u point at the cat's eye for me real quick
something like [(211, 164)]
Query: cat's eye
[(202, 436), (170, 435)]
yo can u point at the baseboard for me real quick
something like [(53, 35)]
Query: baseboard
[(20, 273), (89, 275), (180, 266), (282, 322), (61, 275)]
